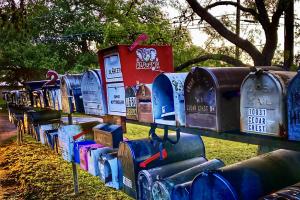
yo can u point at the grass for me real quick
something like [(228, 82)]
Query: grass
[(33, 171)]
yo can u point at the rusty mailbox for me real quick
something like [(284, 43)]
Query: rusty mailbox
[(71, 98), (168, 99), (212, 97), (293, 108), (144, 103), (131, 105), (92, 93), (121, 68), (263, 108)]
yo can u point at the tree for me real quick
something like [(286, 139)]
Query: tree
[(266, 13)]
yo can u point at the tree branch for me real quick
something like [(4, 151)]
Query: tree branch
[(225, 3), (262, 14), (223, 31), (221, 57)]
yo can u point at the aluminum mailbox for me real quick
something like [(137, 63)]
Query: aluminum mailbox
[(71, 98), (121, 68), (293, 108), (212, 97), (263, 97), (92, 93), (144, 103), (168, 99), (131, 105)]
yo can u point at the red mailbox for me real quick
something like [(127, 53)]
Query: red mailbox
[(121, 67)]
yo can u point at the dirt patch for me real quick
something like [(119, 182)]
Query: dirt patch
[(7, 130)]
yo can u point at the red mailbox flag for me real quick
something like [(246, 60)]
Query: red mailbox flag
[(140, 38)]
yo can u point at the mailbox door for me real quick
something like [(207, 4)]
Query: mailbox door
[(200, 100), (293, 106), (112, 66), (92, 94), (144, 104), (116, 99), (131, 105), (262, 105)]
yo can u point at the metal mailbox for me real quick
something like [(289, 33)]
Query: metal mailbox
[(211, 94), (83, 154), (110, 170), (53, 96), (122, 68), (249, 179), (168, 99), (289, 193), (32, 86), (93, 158), (131, 104), (263, 108), (144, 103), (92, 93), (293, 108), (108, 134), (132, 153), (71, 98)]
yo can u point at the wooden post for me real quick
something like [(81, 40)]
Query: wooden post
[(237, 29)]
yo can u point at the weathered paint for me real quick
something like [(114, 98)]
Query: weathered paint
[(146, 178), (289, 193), (212, 93), (71, 98), (42, 131), (93, 94), (116, 99), (108, 134), (113, 171), (168, 99), (83, 154), (144, 103), (249, 179), (293, 108), (131, 104), (54, 98), (132, 153), (263, 97)]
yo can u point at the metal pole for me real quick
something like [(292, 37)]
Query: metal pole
[(74, 167), (289, 35)]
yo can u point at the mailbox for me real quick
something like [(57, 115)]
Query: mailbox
[(293, 108), (83, 153), (71, 98), (93, 158), (92, 93), (32, 86), (53, 96), (144, 103), (110, 170), (121, 67), (168, 99), (108, 134), (263, 109), (212, 97), (130, 101)]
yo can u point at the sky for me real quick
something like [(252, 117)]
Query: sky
[(199, 37)]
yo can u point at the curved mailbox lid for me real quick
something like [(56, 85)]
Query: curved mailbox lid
[(263, 102), (71, 93), (144, 103), (131, 103), (212, 93), (168, 99), (93, 94), (293, 108)]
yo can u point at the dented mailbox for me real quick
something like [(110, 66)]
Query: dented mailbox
[(144, 103), (70, 86), (122, 68), (92, 93), (293, 108), (211, 94), (263, 108), (168, 99), (131, 105)]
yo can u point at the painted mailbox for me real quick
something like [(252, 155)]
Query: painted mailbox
[(263, 108), (71, 98), (53, 96), (168, 99), (293, 108), (144, 103), (92, 93), (122, 68), (130, 101), (211, 94)]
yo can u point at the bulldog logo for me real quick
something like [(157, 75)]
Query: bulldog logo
[(147, 59)]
